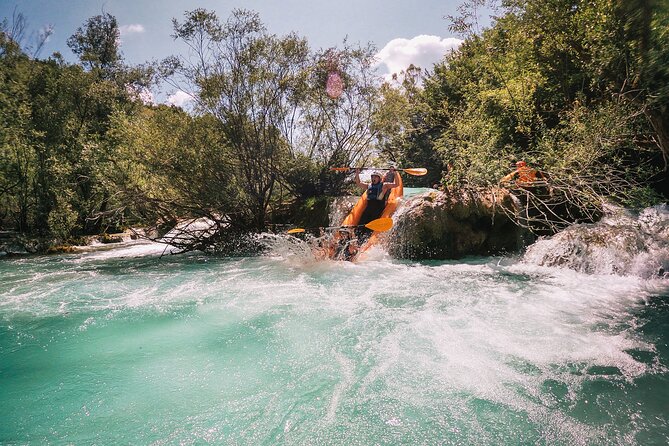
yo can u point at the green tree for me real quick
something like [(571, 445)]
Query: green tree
[(576, 88), (268, 93), (342, 131), (606, 108), (406, 127), (248, 80), (174, 169), (17, 157), (96, 43), (53, 144)]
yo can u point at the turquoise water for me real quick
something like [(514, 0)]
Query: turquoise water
[(123, 347)]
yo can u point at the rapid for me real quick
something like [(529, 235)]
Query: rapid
[(124, 346)]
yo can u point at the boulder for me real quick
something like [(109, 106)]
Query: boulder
[(454, 224)]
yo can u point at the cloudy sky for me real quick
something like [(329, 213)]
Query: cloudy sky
[(403, 31)]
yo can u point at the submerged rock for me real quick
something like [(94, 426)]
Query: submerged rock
[(452, 225), (622, 243)]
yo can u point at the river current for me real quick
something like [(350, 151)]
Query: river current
[(122, 346)]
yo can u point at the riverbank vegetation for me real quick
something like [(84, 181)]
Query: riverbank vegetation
[(578, 89)]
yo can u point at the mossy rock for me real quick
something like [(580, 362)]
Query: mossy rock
[(456, 224)]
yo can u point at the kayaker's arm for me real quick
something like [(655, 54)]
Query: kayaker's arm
[(360, 184), (509, 177), (392, 185)]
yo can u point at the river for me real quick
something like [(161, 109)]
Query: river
[(122, 346)]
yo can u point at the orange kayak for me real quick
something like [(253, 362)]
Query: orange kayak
[(353, 217)]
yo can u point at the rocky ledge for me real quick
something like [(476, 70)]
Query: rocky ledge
[(17, 244), (455, 224)]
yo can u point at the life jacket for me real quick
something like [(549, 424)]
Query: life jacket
[(375, 191), (526, 176)]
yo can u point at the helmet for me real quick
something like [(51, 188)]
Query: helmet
[(378, 174), (521, 164)]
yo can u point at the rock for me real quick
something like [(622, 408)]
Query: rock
[(19, 244), (15, 243), (13, 248), (113, 238), (452, 225)]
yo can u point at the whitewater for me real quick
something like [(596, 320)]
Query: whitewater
[(123, 346)]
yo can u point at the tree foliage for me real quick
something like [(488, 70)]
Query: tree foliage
[(576, 88), (81, 154), (268, 94), (56, 159), (96, 43)]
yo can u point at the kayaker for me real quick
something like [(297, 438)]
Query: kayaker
[(377, 195), (524, 176)]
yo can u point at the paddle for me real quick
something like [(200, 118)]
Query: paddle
[(416, 171), (379, 225)]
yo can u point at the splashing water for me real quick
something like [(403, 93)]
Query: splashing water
[(123, 347), (622, 243)]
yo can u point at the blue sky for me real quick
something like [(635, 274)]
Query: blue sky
[(404, 31)]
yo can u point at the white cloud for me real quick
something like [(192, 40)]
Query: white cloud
[(422, 51), (135, 28), (179, 98)]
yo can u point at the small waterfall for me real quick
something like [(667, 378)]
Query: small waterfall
[(622, 243)]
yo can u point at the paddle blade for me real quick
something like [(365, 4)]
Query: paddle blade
[(295, 230), (380, 224), (417, 171), (340, 169)]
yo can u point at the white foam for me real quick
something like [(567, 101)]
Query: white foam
[(135, 249), (622, 244), (381, 330)]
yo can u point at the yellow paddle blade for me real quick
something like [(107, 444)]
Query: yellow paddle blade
[(417, 171), (295, 231), (340, 169), (380, 224)]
